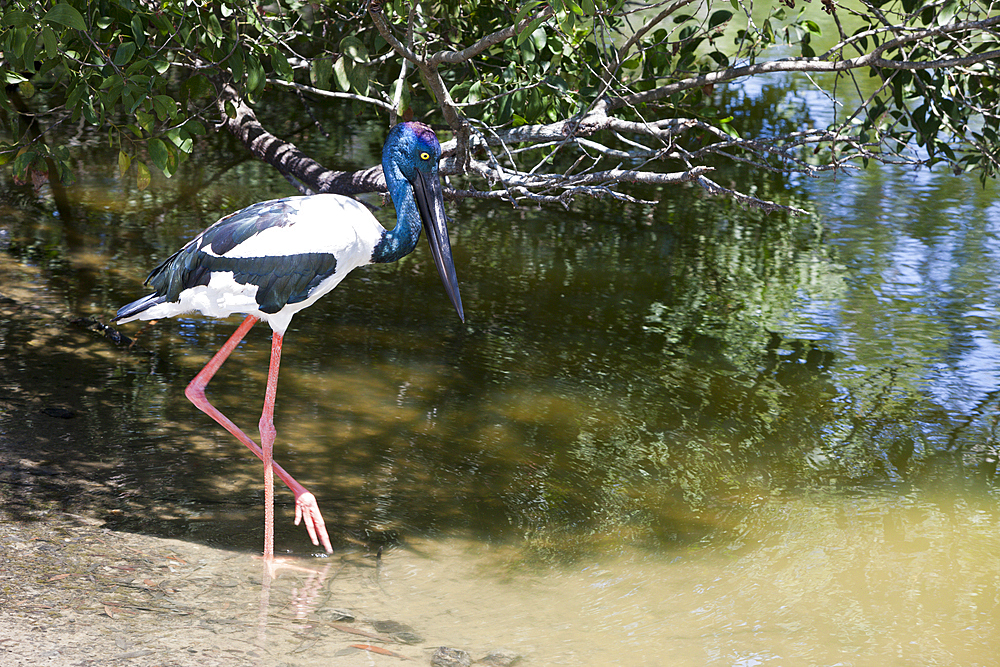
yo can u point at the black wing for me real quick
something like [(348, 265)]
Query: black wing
[(281, 279)]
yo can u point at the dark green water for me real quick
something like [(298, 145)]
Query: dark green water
[(729, 438)]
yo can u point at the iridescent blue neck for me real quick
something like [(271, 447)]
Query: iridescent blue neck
[(402, 239)]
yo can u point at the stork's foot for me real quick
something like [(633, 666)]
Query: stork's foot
[(307, 510)]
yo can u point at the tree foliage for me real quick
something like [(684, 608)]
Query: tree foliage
[(544, 101)]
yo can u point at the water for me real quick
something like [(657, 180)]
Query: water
[(682, 434)]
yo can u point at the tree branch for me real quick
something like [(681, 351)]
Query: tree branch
[(598, 185), (649, 25), (466, 54), (331, 93), (287, 158)]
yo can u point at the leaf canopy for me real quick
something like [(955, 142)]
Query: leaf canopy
[(546, 101)]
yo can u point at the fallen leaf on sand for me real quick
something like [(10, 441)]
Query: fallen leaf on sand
[(379, 650)]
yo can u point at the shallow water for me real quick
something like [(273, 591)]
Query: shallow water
[(681, 434)]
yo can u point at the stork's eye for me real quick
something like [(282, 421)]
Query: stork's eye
[(425, 156)]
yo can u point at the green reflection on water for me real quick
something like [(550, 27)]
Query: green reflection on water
[(629, 375)]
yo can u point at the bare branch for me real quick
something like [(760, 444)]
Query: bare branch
[(331, 93), (648, 25), (747, 200), (455, 57), (287, 158)]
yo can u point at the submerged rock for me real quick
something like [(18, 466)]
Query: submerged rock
[(450, 657), (501, 657)]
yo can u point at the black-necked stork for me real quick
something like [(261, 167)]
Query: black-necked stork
[(272, 259)]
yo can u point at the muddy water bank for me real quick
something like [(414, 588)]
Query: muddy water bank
[(74, 590)]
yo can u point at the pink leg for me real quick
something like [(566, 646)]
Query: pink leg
[(306, 506), (267, 435)]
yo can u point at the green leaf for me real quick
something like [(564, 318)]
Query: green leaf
[(15, 18), (111, 81), (720, 58), (812, 27), (280, 65), (145, 120), (73, 99), (320, 72), (173, 161), (89, 112), (138, 31), (132, 72), (506, 111), (198, 86), (767, 31), (186, 144), (360, 77), (158, 153), (194, 126), (401, 89), (214, 28), (255, 75), (135, 93), (14, 45), (109, 98), (11, 77), (178, 136), (124, 162), (236, 64), (66, 15), (728, 128), (633, 62), (341, 74), (527, 32), (50, 41), (23, 161), (142, 177), (475, 92), (557, 83), (161, 23), (29, 52), (526, 8), (947, 13), (164, 106), (539, 38), (567, 22), (124, 53), (353, 48), (719, 17)]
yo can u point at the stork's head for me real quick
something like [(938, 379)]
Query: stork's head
[(411, 147), (410, 163)]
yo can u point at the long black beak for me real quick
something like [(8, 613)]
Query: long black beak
[(430, 202)]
